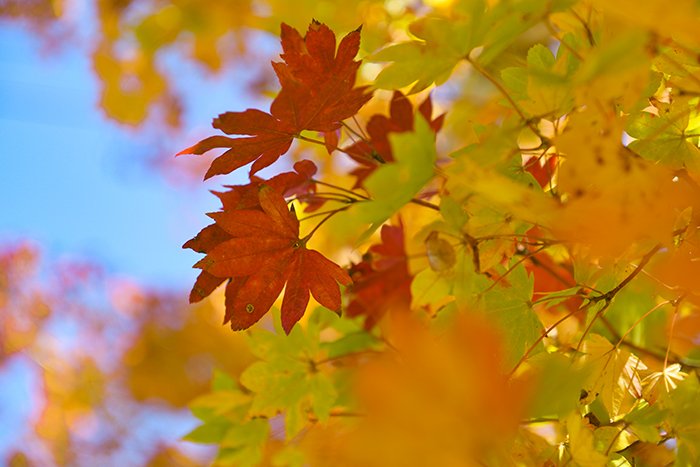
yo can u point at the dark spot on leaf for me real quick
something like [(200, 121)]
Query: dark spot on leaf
[(249, 308), (592, 419)]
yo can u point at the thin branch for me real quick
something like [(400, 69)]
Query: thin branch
[(426, 204), (586, 27), (566, 45), (335, 413), (473, 243), (550, 271), (608, 296), (598, 314), (364, 135), (650, 353), (679, 66), (541, 240), (504, 93), (670, 339), (549, 298), (645, 260), (354, 132)]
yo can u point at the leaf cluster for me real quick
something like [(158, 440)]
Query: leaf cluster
[(531, 295)]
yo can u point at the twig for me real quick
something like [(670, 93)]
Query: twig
[(608, 296), (426, 204), (505, 94)]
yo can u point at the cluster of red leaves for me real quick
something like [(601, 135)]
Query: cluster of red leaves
[(255, 244), (381, 281), (377, 148), (318, 93)]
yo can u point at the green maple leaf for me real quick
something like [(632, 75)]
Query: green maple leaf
[(442, 42), (224, 413), (286, 380), (543, 87), (509, 307), (665, 138), (393, 185), (685, 419)]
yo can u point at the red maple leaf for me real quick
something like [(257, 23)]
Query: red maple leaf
[(317, 83), (246, 197), (542, 169), (377, 149), (381, 281), (317, 93), (298, 182), (262, 253)]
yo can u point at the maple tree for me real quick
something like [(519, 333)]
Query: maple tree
[(524, 301), (485, 252)]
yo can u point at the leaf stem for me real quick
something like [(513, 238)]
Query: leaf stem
[(323, 221), (621, 339), (320, 143), (586, 27), (316, 214), (330, 196), (363, 134), (336, 148), (417, 201), (670, 338), (339, 188), (354, 132)]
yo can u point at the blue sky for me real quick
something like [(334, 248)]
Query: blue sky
[(77, 183)]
